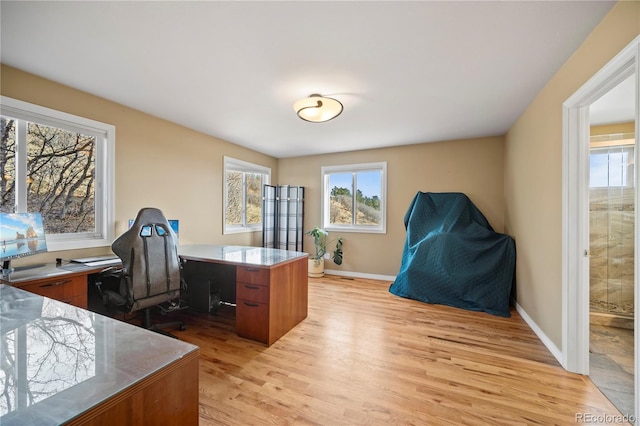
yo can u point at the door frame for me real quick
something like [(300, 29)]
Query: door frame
[(575, 209)]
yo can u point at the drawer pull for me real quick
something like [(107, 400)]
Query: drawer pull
[(252, 287), (252, 269), (55, 284), (253, 305)]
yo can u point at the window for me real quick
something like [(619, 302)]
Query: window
[(243, 195), (611, 163), (354, 197), (60, 165), (609, 168)]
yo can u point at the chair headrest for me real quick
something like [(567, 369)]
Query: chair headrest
[(150, 224)]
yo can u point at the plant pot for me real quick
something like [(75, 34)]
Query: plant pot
[(316, 268)]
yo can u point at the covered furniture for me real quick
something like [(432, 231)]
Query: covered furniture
[(452, 256), (150, 274)]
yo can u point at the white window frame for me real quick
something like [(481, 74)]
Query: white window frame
[(233, 164), (326, 171), (105, 135)]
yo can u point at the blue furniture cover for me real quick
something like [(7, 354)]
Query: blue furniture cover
[(452, 256)]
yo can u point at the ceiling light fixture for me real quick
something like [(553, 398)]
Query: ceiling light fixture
[(317, 109)]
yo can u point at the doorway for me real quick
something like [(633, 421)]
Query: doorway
[(597, 270)]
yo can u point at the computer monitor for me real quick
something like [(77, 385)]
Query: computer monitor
[(173, 223), (21, 234)]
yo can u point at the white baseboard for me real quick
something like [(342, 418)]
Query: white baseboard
[(360, 275), (557, 353)]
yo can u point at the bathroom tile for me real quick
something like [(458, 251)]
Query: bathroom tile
[(611, 364)]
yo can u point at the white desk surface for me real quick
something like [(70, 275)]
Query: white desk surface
[(44, 271), (239, 255)]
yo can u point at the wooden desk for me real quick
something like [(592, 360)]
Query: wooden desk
[(67, 283), (73, 367), (271, 287)]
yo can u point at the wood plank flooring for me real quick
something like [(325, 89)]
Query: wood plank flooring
[(366, 357)]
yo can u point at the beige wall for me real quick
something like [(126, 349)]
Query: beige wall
[(158, 163), (533, 171), (607, 129), (473, 166)]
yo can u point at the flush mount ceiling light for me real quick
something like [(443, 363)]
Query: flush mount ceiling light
[(317, 109)]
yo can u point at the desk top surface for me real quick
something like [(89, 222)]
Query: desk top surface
[(46, 271), (73, 359), (239, 255)]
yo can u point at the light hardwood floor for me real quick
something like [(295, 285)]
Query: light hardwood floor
[(366, 357)]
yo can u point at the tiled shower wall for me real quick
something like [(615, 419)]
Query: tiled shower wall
[(611, 245)]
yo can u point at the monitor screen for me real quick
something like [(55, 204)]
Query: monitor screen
[(173, 223), (21, 234)]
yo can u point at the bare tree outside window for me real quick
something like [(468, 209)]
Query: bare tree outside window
[(60, 175), (7, 164), (243, 195), (239, 201), (62, 166), (254, 198), (234, 198)]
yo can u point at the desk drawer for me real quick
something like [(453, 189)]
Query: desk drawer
[(252, 275), (252, 292), (69, 290), (252, 320)]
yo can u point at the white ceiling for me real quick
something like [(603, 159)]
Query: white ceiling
[(406, 72), (615, 106)]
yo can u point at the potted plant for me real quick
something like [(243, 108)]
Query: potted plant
[(321, 242)]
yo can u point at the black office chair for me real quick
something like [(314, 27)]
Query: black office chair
[(150, 274)]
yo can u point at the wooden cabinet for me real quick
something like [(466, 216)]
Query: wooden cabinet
[(270, 301), (252, 303), (71, 289)]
